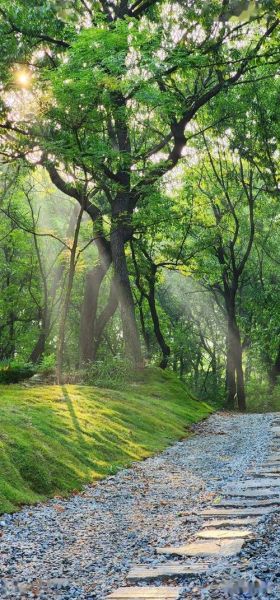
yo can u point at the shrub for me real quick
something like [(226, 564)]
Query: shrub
[(13, 372), (111, 373), (47, 364)]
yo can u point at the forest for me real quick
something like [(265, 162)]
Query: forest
[(139, 299), (139, 198)]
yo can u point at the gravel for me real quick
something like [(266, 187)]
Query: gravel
[(83, 547)]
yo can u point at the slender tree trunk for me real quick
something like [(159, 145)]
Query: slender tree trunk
[(104, 317), (93, 283), (275, 370), (234, 375), (40, 346), (66, 303), (145, 333), (89, 309), (129, 325), (165, 349)]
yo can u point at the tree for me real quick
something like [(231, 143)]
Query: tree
[(101, 142)]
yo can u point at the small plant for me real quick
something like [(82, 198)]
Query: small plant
[(47, 364)]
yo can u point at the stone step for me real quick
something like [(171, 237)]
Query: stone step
[(222, 534), (168, 569), (146, 593), (275, 430), (275, 457), (206, 548), (236, 512), (255, 493), (232, 522), (275, 472), (259, 482), (241, 503)]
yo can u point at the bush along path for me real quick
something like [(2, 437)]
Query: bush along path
[(199, 520)]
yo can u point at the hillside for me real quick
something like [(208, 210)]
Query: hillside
[(54, 439)]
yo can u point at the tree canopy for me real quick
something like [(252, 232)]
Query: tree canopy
[(139, 149)]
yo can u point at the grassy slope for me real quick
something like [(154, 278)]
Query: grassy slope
[(55, 439)]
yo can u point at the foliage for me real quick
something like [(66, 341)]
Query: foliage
[(15, 371), (140, 140), (47, 364), (111, 372)]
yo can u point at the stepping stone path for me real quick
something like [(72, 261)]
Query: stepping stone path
[(177, 569), (159, 593), (223, 533), (218, 547), (227, 525)]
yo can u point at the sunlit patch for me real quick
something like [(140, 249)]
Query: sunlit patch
[(23, 78)]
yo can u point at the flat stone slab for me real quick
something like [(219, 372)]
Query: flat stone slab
[(206, 548), (260, 482), (254, 493), (264, 472), (177, 569), (236, 512), (231, 522), (275, 430), (275, 457), (146, 593), (241, 503), (222, 534)]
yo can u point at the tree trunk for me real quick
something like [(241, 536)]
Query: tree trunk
[(130, 331), (93, 283), (104, 317), (165, 349), (234, 374), (94, 279), (275, 370), (66, 303), (40, 347)]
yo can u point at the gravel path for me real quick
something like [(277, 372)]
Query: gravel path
[(83, 547)]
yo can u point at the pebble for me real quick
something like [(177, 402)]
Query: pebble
[(83, 547)]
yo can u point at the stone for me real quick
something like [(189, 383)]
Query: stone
[(146, 593), (273, 458), (222, 534), (265, 472), (260, 482), (233, 522), (236, 512), (168, 569), (206, 548), (241, 503), (254, 493)]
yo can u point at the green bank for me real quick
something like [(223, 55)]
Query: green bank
[(55, 439)]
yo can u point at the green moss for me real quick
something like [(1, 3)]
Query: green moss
[(53, 439)]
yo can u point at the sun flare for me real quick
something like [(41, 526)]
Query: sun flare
[(23, 78)]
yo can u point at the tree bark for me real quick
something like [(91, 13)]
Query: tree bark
[(40, 346), (104, 317), (94, 279), (66, 303), (119, 236), (165, 349), (275, 370), (93, 283), (234, 374)]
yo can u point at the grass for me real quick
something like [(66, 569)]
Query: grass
[(53, 439)]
